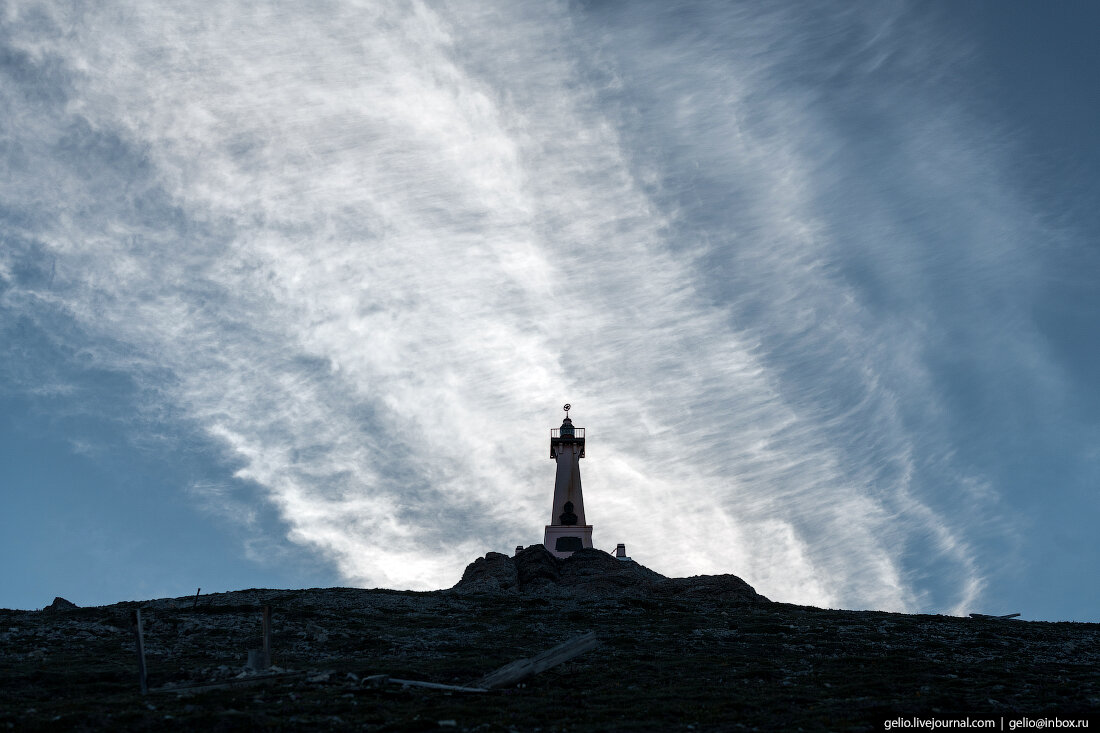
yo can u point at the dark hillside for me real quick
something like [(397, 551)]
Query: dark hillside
[(681, 654)]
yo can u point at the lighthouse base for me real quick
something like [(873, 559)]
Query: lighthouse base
[(563, 540)]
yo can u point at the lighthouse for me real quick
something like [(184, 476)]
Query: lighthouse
[(567, 531)]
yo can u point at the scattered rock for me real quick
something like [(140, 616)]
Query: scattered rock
[(707, 645)]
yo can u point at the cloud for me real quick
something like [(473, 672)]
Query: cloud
[(371, 251)]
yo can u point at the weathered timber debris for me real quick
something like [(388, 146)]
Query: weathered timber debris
[(508, 675), (521, 669), (259, 660), (255, 679), (376, 680), (139, 646)]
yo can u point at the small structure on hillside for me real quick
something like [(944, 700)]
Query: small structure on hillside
[(567, 531)]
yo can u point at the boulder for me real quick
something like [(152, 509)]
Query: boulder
[(718, 587), (494, 573), (537, 568), (60, 604), (598, 572)]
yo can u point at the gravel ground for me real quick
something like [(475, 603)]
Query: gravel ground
[(677, 654)]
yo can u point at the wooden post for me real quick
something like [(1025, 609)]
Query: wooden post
[(260, 659), (196, 603), (139, 641), (521, 669), (413, 683), (267, 634)]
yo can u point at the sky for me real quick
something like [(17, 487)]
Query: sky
[(291, 295)]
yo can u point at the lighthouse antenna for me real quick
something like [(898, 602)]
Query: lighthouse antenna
[(567, 408)]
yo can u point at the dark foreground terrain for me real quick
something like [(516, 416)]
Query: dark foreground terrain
[(682, 654)]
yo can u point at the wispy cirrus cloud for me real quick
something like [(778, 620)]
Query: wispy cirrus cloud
[(371, 250)]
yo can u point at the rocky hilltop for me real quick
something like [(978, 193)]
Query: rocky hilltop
[(701, 654), (534, 570)]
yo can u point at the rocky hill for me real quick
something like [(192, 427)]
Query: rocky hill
[(704, 653), (588, 573)]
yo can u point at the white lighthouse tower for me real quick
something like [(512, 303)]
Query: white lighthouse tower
[(567, 531)]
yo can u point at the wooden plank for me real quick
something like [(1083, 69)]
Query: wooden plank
[(986, 615), (507, 675), (243, 681), (377, 681), (434, 685), (521, 669), (139, 643)]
